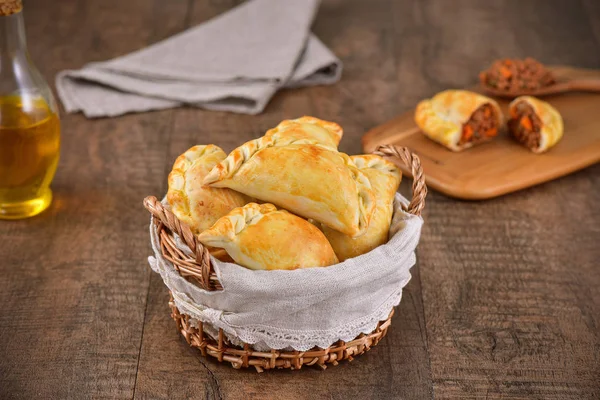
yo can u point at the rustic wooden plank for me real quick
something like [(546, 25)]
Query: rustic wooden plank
[(398, 366), (592, 9), (509, 285), (72, 280), (362, 35)]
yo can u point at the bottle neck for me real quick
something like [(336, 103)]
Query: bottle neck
[(18, 75), (12, 35)]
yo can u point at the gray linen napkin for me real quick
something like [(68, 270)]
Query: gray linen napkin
[(234, 62)]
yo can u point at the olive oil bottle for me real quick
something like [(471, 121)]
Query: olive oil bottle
[(29, 123)]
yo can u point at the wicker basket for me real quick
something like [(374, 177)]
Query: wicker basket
[(199, 270)]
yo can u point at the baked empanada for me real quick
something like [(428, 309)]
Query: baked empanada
[(324, 132), (307, 179), (459, 119), (196, 205), (385, 179), (534, 123), (262, 237)]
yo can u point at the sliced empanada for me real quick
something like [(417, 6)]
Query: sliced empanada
[(535, 123), (262, 237), (459, 119), (385, 179), (324, 132), (197, 205), (307, 179)]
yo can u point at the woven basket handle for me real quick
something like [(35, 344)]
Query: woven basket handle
[(411, 160), (202, 269)]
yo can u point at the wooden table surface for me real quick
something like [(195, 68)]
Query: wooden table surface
[(505, 297)]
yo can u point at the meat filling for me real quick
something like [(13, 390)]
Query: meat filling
[(517, 75), (525, 125), (482, 126)]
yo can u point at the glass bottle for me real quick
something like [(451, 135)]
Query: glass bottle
[(29, 123)]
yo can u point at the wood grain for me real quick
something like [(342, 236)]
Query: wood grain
[(503, 302), (502, 165), (503, 281), (73, 279)]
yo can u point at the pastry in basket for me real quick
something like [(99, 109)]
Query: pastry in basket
[(307, 179), (258, 236), (196, 205), (324, 132), (385, 179), (535, 123), (459, 119)]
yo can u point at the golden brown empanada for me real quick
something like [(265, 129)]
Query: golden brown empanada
[(324, 132), (307, 179), (459, 119), (262, 237), (385, 179), (196, 205), (535, 123)]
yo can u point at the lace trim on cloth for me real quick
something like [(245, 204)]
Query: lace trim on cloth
[(265, 339)]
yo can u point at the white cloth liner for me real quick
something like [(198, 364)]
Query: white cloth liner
[(303, 308)]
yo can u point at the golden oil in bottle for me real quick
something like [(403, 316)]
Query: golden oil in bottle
[(29, 152), (29, 124)]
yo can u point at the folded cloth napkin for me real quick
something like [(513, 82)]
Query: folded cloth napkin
[(234, 62)]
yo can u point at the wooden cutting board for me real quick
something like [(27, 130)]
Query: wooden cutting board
[(501, 166)]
